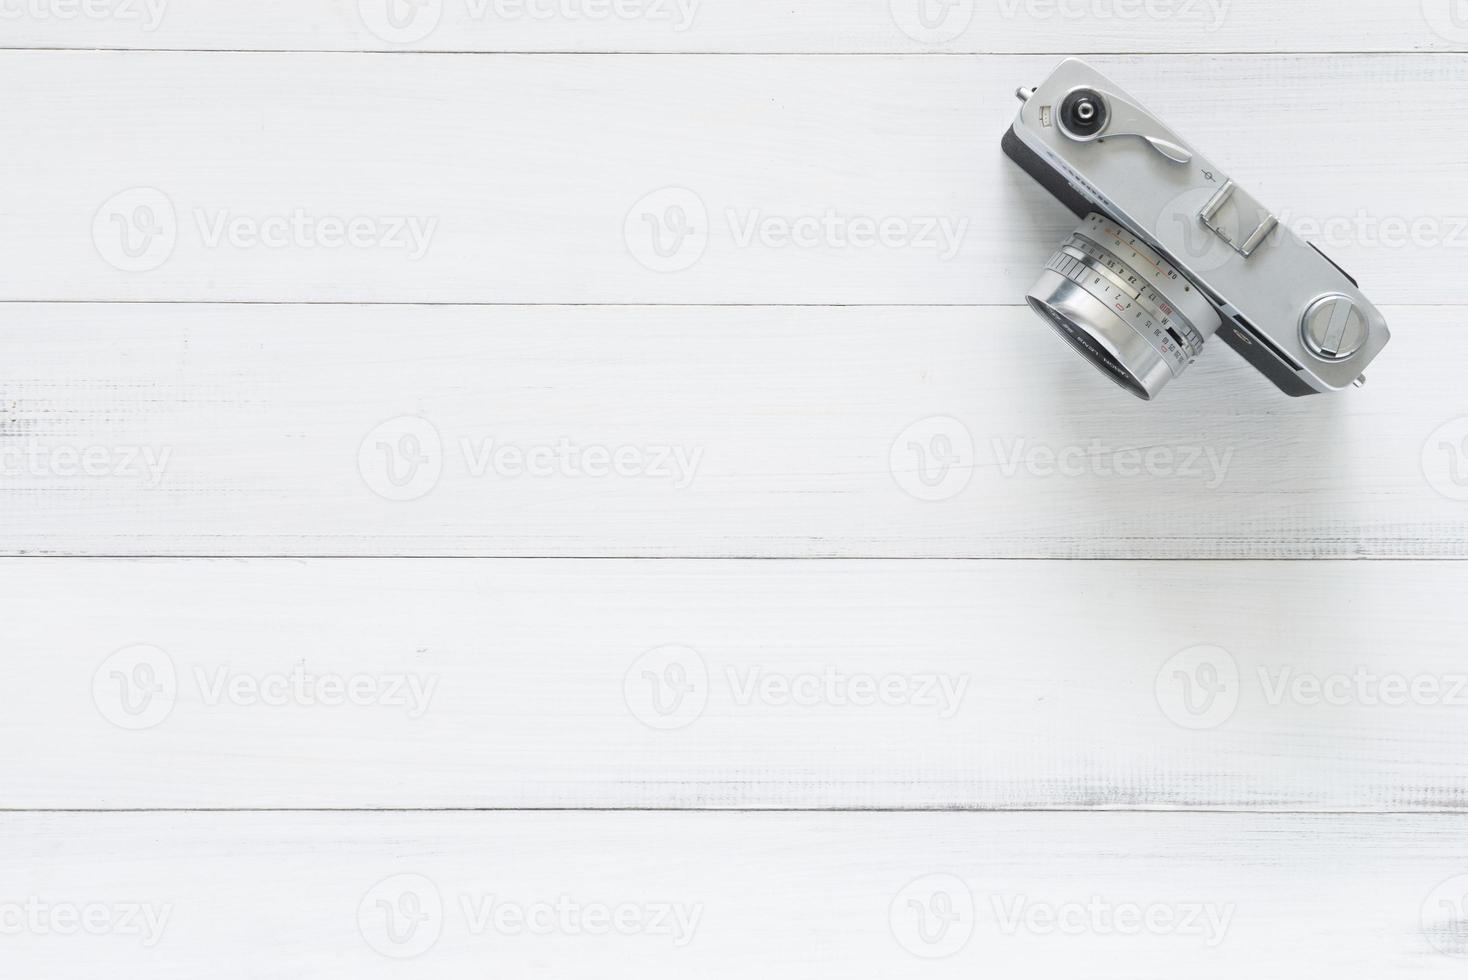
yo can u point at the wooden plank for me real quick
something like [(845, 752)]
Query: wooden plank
[(672, 895), (542, 179), (709, 432), (836, 26), (444, 683)]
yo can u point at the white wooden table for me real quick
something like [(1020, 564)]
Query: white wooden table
[(568, 488)]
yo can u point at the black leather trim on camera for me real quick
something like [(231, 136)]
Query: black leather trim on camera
[(1349, 278), (1033, 164), (1254, 350)]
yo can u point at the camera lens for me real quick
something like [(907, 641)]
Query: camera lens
[(1123, 307), (1083, 114)]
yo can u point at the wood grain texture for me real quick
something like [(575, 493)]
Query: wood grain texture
[(186, 235), (838, 26), (722, 432), (250, 895), (540, 179), (425, 684)]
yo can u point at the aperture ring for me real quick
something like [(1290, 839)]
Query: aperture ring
[(1173, 335)]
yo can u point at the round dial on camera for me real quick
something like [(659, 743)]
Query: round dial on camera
[(1333, 328), (1084, 114)]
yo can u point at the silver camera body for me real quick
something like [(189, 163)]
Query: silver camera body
[(1172, 251)]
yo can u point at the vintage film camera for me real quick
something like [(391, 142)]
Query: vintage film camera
[(1172, 251)]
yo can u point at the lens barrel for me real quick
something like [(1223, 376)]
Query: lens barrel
[(1125, 308)]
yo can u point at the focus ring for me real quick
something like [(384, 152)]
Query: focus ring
[(1180, 346)]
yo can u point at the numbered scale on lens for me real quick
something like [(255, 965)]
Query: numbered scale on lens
[(1134, 281)]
